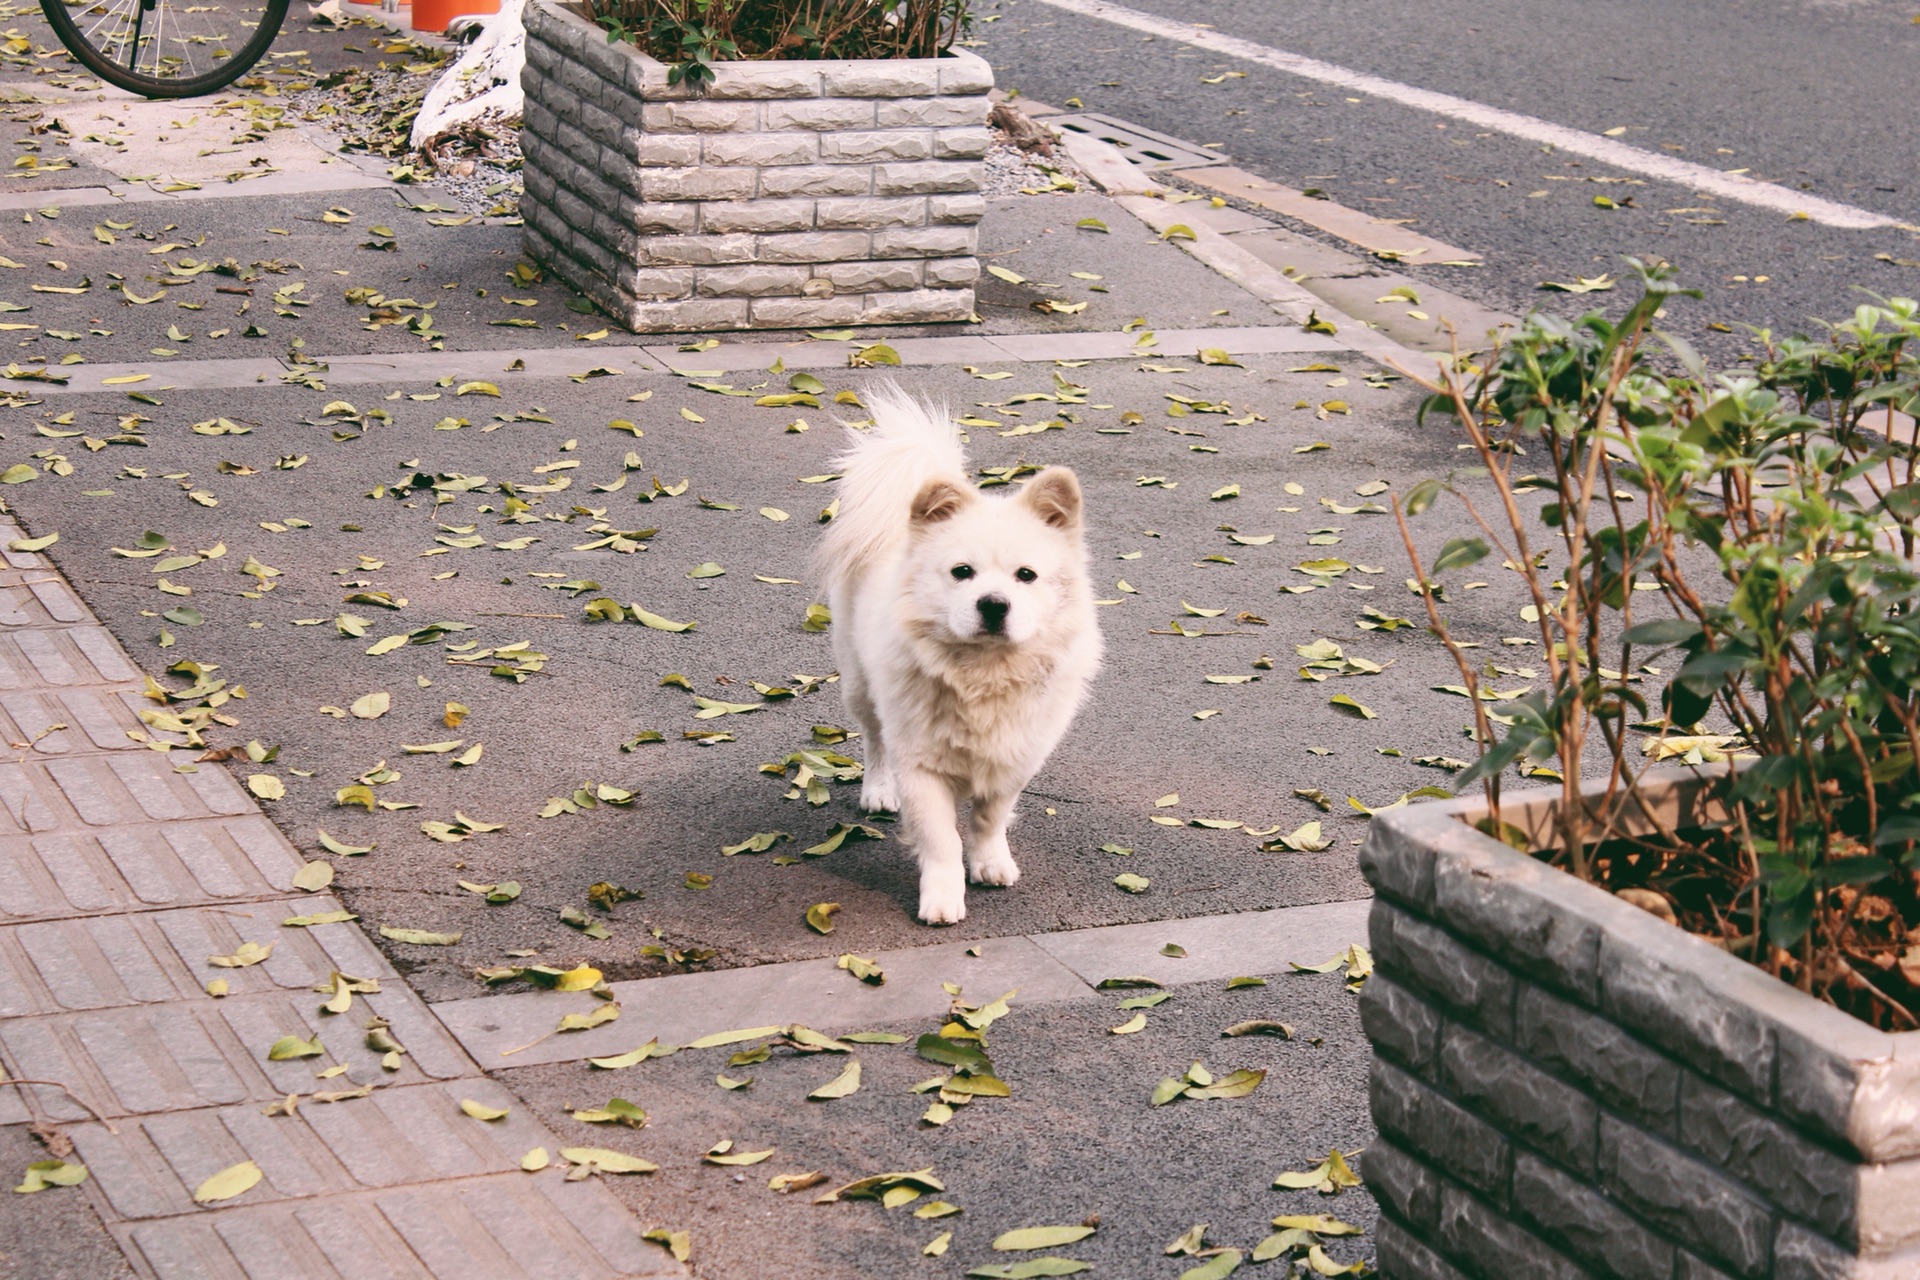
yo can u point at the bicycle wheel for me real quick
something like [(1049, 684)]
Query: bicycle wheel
[(166, 48)]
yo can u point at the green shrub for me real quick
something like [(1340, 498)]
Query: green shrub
[(692, 35), (1758, 528)]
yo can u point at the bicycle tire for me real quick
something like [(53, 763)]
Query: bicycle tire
[(144, 64)]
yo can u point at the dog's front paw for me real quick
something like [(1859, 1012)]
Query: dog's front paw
[(880, 793), (992, 864), (943, 898)]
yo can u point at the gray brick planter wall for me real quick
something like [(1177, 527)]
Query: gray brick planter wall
[(793, 194), (1565, 1086)]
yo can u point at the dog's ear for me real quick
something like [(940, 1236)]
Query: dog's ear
[(938, 500), (1054, 496)]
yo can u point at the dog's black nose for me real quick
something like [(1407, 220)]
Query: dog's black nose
[(993, 612)]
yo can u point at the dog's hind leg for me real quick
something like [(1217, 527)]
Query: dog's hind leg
[(931, 815), (879, 789), (989, 860)]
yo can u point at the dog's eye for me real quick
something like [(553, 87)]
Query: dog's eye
[(1025, 575), (961, 572)]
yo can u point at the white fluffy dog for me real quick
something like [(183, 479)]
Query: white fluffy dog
[(964, 629)]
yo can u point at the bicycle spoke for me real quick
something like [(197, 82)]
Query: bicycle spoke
[(167, 48)]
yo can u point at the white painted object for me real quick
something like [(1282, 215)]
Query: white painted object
[(484, 80)]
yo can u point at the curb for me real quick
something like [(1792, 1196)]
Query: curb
[(1144, 199)]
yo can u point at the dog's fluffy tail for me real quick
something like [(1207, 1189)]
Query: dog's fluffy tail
[(882, 470)]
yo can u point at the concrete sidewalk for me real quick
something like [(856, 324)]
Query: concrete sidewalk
[(129, 866)]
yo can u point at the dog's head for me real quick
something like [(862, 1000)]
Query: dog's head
[(992, 570)]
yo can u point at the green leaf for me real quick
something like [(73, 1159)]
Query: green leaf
[(758, 842), (606, 1161), (617, 1111), (419, 937), (841, 1085), (1218, 1267), (287, 1048), (1236, 1084), (1661, 632), (631, 1058), (720, 1039), (1458, 553), (342, 850), (655, 621), (878, 353), (42, 1174), (588, 1021), (321, 917), (1031, 1269), (1352, 707), (843, 832), (1027, 1238), (314, 876), (235, 1180)]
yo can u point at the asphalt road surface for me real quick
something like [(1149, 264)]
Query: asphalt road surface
[(1801, 94)]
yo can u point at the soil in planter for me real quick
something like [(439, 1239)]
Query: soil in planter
[(1862, 955)]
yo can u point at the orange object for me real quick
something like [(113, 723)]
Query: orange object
[(434, 15)]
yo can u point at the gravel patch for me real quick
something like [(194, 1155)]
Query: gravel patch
[(477, 170), (1013, 172)]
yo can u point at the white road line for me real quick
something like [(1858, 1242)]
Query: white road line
[(1700, 178)]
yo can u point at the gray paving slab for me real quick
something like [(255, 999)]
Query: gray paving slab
[(1177, 344), (513, 1030), (344, 178), (524, 364), (493, 366), (807, 353), (677, 1009), (1216, 947), (498, 1228)]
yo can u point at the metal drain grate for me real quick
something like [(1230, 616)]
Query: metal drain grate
[(1143, 147)]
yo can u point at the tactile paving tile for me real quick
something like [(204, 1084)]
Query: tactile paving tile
[(206, 1053), (504, 1227), (102, 962), (90, 872), (395, 1136), (122, 870), (95, 719), (78, 655), (42, 601)]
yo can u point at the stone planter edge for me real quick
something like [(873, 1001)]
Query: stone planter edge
[(961, 70), (617, 133), (1493, 927)]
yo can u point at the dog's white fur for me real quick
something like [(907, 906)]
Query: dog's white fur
[(955, 703)]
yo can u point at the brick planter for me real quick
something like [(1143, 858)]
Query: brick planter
[(792, 194), (1567, 1087)]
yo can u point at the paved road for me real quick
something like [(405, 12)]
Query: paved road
[(1802, 94)]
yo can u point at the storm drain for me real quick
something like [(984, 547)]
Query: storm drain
[(1141, 146)]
